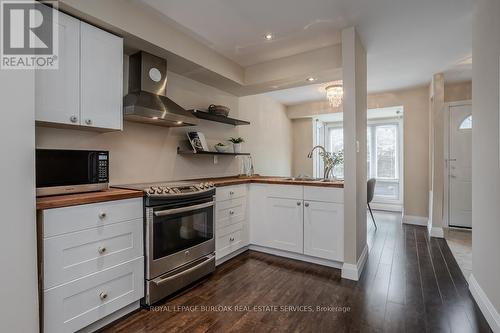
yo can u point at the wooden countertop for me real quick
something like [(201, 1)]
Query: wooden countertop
[(66, 200), (227, 181)]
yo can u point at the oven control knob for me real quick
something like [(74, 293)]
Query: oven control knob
[(159, 191), (166, 190), (151, 191), (211, 184)]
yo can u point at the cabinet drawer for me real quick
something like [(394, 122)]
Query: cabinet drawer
[(71, 256), (229, 240), (285, 191), (230, 212), (230, 192), (60, 221), (77, 304), (325, 194)]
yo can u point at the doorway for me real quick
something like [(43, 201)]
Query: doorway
[(458, 165)]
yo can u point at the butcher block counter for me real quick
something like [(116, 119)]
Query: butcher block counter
[(66, 200), (236, 180)]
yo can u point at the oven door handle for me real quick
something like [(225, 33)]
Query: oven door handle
[(183, 209), (208, 260)]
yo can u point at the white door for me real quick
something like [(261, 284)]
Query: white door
[(101, 78), (460, 166), (323, 230), (284, 218), (57, 92)]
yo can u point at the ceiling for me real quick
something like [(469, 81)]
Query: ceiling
[(406, 40)]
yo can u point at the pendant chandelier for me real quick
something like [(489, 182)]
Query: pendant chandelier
[(335, 94)]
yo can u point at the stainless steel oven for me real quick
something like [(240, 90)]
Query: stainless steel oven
[(179, 236)]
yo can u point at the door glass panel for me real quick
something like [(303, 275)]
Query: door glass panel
[(336, 144), (179, 232), (466, 123)]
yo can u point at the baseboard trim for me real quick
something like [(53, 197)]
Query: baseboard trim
[(436, 232), (231, 255), (296, 256), (416, 220), (353, 272), (482, 300), (386, 207)]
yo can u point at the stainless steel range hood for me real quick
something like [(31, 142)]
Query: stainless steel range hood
[(146, 101)]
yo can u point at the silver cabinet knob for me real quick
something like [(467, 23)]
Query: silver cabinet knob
[(231, 193), (298, 203), (103, 295), (306, 204), (231, 239), (88, 121), (231, 212), (73, 119), (101, 249), (102, 215), (453, 176)]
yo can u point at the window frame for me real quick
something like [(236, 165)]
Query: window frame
[(321, 137)]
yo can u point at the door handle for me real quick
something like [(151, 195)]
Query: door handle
[(183, 209), (207, 261), (453, 176)]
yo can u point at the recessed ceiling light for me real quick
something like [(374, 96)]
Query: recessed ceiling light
[(178, 122), (311, 79), (155, 118), (269, 36)]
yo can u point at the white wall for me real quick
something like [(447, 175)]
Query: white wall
[(18, 278), (485, 157), (269, 137), (146, 153)]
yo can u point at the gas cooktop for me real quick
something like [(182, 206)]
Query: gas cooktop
[(170, 189)]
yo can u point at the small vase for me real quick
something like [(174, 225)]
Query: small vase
[(237, 148)]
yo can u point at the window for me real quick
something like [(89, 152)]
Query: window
[(383, 153), (383, 156), (466, 123)]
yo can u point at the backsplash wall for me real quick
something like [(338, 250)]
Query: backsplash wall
[(147, 153)]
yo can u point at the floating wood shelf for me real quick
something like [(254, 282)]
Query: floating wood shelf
[(191, 152), (220, 119)]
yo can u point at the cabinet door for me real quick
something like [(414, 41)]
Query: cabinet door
[(284, 224), (101, 78), (57, 91), (324, 230)]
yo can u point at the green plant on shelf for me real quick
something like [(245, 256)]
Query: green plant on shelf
[(236, 140)]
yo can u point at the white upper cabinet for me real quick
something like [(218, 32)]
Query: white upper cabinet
[(87, 88), (57, 91), (324, 230), (101, 69)]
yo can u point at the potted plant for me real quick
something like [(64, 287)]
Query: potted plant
[(237, 144), (331, 160)]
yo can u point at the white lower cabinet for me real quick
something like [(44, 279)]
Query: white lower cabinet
[(231, 223), (324, 230), (289, 220), (285, 224), (77, 304), (93, 262)]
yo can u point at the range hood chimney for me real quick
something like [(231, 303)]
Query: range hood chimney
[(147, 100)]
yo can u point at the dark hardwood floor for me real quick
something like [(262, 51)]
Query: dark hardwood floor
[(411, 283)]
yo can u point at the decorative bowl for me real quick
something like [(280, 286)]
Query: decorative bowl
[(222, 149), (219, 110)]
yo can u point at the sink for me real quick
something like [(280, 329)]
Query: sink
[(307, 179)]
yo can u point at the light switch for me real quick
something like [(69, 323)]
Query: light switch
[(357, 146)]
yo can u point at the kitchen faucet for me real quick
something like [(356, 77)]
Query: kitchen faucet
[(326, 169)]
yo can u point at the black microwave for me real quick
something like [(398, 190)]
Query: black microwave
[(61, 171)]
